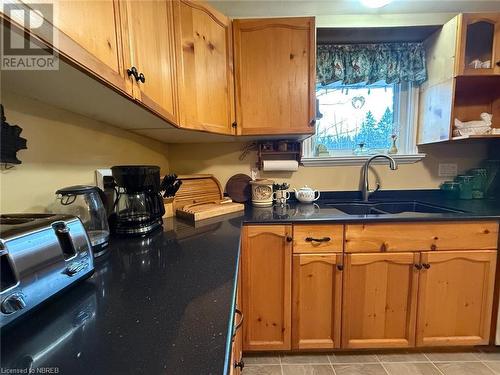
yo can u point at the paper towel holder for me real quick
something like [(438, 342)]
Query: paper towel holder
[(278, 150)]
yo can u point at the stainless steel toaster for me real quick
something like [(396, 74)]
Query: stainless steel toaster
[(40, 255)]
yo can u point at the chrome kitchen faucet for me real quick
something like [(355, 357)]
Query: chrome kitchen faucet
[(365, 189)]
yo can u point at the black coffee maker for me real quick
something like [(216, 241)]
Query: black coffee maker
[(138, 207)]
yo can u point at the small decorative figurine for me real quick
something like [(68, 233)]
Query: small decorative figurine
[(394, 148)]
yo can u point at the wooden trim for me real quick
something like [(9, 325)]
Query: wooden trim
[(217, 16), (254, 24)]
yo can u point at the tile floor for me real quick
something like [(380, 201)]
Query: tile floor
[(450, 362)]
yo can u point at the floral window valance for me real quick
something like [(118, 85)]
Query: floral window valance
[(369, 63)]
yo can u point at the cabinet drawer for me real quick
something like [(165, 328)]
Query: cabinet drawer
[(481, 235), (317, 238)]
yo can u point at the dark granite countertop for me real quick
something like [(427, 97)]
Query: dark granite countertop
[(163, 304), (322, 210), (156, 305)]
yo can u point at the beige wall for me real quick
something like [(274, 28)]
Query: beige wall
[(65, 149), (222, 160)]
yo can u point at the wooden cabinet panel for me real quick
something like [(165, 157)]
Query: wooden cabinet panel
[(206, 87), (455, 298), (458, 235), (275, 67), (88, 36), (331, 238), (316, 301), (479, 39), (237, 349), (151, 35), (379, 300), (93, 25), (266, 283)]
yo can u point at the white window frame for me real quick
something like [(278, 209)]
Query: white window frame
[(406, 106)]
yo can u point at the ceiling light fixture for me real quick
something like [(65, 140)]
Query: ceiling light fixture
[(375, 3)]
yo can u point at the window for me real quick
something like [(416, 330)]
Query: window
[(357, 120)]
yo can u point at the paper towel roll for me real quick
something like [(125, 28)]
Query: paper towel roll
[(280, 165)]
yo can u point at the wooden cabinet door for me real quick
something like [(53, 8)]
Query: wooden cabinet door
[(89, 37), (275, 67), (479, 40), (205, 67), (151, 35), (266, 286), (316, 301), (455, 298), (237, 349), (379, 300)]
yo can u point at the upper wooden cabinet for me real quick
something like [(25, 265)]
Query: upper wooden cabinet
[(205, 67), (275, 65), (149, 27), (455, 298), (478, 44), (463, 66), (89, 35), (266, 287)]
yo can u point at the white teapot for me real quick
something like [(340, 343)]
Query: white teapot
[(306, 194)]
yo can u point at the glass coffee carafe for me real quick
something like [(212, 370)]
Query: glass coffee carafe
[(138, 207), (87, 203)]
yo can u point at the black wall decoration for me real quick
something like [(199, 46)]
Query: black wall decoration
[(10, 141)]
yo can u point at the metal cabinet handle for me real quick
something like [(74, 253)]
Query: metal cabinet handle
[(340, 267), (498, 63), (238, 325), (133, 72), (139, 77), (418, 266), (312, 239), (239, 364), (312, 122), (426, 265), (289, 239)]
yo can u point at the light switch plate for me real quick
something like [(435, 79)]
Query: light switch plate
[(448, 169)]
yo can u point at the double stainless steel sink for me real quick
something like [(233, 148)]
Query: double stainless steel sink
[(384, 208)]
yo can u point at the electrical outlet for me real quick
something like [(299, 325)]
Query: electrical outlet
[(447, 169), (99, 177)]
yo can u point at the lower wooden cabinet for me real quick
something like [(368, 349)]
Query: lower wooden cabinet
[(379, 304), (316, 301), (237, 349), (266, 282), (303, 300), (455, 298)]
